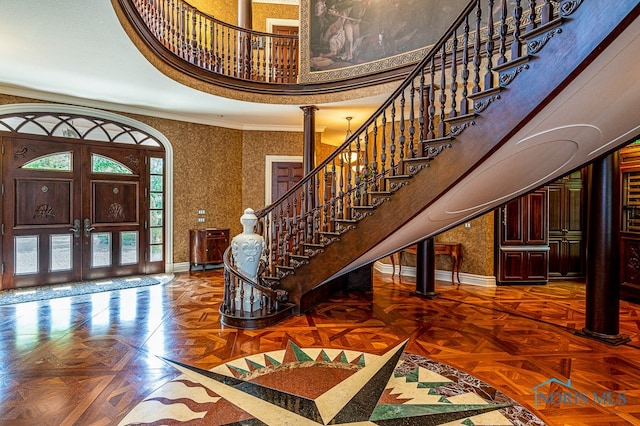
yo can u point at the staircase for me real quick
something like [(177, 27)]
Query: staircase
[(514, 95)]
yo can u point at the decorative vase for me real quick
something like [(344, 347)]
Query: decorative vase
[(247, 247)]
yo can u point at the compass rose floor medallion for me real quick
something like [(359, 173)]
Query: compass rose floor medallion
[(312, 386)]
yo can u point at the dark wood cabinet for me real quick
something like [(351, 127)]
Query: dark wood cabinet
[(566, 225), (630, 223), (207, 246), (522, 244)]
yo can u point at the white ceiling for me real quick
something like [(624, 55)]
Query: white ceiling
[(76, 51)]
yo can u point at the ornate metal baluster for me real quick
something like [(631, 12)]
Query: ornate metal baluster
[(503, 32), (358, 173), (488, 77), (325, 206), (402, 138), (341, 188), (464, 103), (454, 75), (546, 13), (366, 176), (383, 148), (532, 16), (412, 120), (431, 109), (392, 140), (442, 125), (516, 44), (421, 121), (333, 194), (477, 55), (374, 156), (349, 188)]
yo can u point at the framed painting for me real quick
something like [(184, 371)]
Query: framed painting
[(342, 39)]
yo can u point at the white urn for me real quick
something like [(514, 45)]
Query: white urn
[(247, 247)]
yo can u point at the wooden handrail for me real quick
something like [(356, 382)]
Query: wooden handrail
[(458, 79)]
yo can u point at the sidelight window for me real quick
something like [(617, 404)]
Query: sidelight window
[(156, 209)]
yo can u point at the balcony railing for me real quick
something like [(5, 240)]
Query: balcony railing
[(218, 47)]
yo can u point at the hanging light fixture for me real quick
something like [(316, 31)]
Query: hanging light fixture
[(347, 157)]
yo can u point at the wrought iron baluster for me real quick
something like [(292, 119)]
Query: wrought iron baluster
[(464, 103), (477, 54), (516, 44), (402, 138), (412, 120), (503, 32), (392, 140), (442, 124), (454, 76), (431, 109), (532, 16), (488, 77)]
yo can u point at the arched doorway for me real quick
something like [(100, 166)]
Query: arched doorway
[(86, 195)]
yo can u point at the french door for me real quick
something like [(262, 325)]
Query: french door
[(72, 211)]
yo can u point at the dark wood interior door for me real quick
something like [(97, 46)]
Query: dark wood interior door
[(284, 175), (71, 212)]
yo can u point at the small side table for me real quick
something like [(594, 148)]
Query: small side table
[(451, 249)]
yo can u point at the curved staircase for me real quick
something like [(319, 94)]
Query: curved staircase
[(494, 110)]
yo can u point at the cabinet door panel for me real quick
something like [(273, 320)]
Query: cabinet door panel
[(555, 256), (537, 218), (512, 266), (537, 266), (512, 223)]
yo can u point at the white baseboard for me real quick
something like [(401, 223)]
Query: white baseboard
[(410, 271), (407, 271), (181, 267)]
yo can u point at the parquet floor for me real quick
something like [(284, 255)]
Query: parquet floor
[(90, 360)]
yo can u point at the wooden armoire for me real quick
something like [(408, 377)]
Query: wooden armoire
[(567, 239), (540, 236), (522, 240), (630, 223)]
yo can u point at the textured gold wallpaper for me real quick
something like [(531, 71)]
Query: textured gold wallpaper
[(227, 11), (256, 145), (262, 11), (477, 247)]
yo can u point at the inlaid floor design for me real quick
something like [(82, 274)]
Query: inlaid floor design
[(97, 359), (315, 386)]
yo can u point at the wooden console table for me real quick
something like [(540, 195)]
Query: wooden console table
[(206, 246), (451, 249)]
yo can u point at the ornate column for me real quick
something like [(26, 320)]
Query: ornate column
[(426, 269), (245, 20), (309, 149), (602, 320)]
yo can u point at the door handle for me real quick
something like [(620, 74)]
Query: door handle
[(87, 227), (76, 228)]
